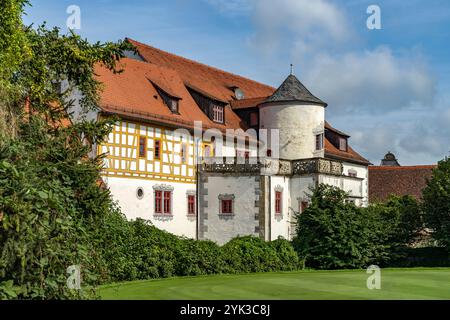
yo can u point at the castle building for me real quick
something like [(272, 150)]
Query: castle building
[(207, 154)]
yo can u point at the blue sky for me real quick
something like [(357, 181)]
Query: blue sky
[(389, 88)]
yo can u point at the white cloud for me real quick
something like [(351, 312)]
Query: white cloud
[(375, 81)]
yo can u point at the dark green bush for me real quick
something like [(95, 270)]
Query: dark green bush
[(138, 250), (421, 257)]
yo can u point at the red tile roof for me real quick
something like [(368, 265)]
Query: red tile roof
[(216, 82), (404, 180), (133, 94)]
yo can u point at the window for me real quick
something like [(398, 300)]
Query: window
[(142, 146), (303, 206), (217, 113), (254, 119), (140, 193), (319, 142), (227, 206), (167, 202), (163, 199), (352, 173), (226, 203), (269, 152), (158, 201), (183, 153), (342, 144), (191, 205), (207, 150), (169, 101), (278, 199), (157, 149)]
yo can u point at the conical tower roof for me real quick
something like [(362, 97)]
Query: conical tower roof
[(293, 90)]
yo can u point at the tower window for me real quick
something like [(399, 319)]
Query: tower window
[(319, 142), (303, 206)]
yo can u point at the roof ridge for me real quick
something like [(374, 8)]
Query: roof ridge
[(200, 63), (425, 166)]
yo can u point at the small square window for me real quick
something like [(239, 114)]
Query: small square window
[(227, 206)]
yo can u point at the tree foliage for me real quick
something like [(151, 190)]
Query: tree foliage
[(51, 203), (334, 234), (436, 203)]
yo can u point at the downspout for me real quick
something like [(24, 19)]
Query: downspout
[(270, 208), (197, 185)]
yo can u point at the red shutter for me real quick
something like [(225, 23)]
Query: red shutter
[(167, 202), (158, 199)]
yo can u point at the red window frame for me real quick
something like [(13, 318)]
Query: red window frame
[(142, 146), (227, 206), (191, 205), (167, 202), (157, 152), (278, 198), (158, 201)]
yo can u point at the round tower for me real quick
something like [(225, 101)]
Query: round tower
[(299, 116)]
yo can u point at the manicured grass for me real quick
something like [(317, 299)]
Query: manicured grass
[(415, 283)]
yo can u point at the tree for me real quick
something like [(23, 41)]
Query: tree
[(334, 234), (51, 203), (436, 203)]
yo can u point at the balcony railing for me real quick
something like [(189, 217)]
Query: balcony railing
[(269, 166)]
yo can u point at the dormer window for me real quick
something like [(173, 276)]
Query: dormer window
[(218, 114), (169, 100), (342, 144), (212, 107)]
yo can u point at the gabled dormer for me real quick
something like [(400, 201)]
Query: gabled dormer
[(171, 100), (338, 138), (213, 107)]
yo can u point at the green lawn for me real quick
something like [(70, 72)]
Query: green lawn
[(415, 283)]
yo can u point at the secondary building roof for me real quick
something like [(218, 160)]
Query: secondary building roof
[(397, 180)]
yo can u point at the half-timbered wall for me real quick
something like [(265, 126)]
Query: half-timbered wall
[(123, 159)]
